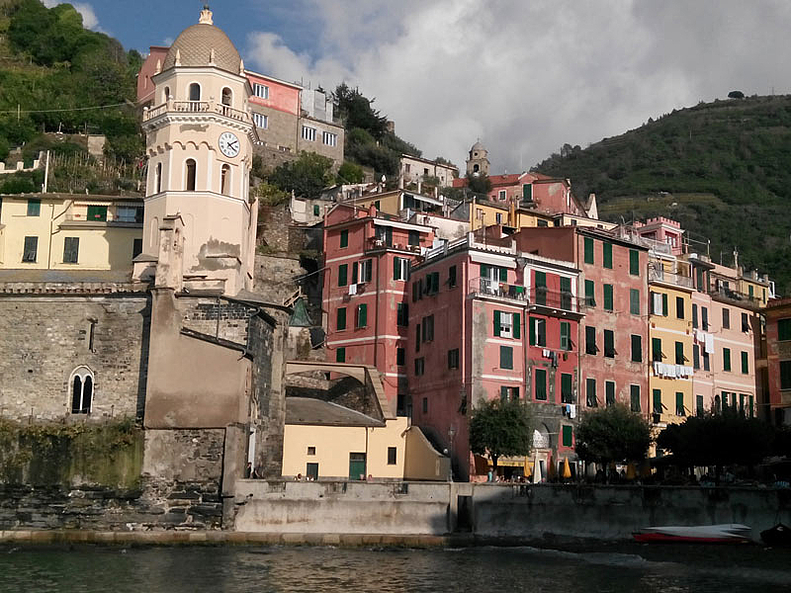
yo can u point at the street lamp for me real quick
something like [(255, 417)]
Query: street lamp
[(451, 434)]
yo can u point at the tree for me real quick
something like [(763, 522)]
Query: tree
[(306, 177), (356, 111), (717, 439), (736, 95), (479, 184), (612, 434), (500, 427), (350, 173)]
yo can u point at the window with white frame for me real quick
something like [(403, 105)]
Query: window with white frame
[(501, 195), (506, 325), (308, 133), (261, 90), (260, 121), (81, 386), (329, 138)]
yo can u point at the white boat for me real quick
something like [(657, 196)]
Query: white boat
[(729, 533)]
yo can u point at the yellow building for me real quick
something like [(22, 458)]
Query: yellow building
[(69, 232), (671, 335), (484, 213), (323, 440)]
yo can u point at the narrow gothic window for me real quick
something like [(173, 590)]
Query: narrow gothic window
[(81, 391), (194, 92), (158, 178), (225, 180), (167, 94), (191, 172)]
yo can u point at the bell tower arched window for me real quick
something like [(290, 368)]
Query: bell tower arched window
[(166, 95), (225, 180), (227, 97), (191, 172), (158, 179), (194, 92), (81, 391)]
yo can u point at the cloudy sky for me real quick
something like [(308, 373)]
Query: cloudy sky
[(524, 76)]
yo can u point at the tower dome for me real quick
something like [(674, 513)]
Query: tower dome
[(204, 45)]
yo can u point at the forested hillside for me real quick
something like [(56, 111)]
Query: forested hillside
[(723, 169), (57, 76)]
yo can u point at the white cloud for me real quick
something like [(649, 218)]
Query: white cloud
[(527, 76), (89, 18)]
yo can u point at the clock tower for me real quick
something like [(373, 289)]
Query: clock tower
[(199, 143)]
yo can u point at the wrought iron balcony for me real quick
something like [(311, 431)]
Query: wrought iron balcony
[(195, 107), (656, 274), (537, 296)]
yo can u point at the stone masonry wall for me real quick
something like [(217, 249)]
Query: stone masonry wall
[(43, 339), (274, 277), (201, 315)]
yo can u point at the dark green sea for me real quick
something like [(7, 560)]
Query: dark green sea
[(625, 567)]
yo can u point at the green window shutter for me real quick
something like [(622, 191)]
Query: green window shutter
[(541, 384), (656, 349), (783, 329), (679, 352), (609, 343), (565, 284), (607, 254), (565, 335), (634, 301), (634, 262), (608, 304), (532, 330), (504, 393), (506, 357), (343, 270), (516, 331), (355, 268), (484, 271), (745, 363), (664, 304), (33, 207), (634, 393), (362, 315), (726, 359), (637, 348), (527, 192), (341, 318), (435, 276), (657, 408), (503, 275), (590, 289), (340, 355), (588, 250), (568, 436), (609, 393), (396, 266), (752, 406), (541, 279), (679, 403), (497, 326), (565, 388), (344, 238), (316, 210)]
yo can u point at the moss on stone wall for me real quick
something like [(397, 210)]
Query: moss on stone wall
[(108, 453)]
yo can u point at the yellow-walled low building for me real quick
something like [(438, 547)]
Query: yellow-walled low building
[(323, 440), (69, 232)]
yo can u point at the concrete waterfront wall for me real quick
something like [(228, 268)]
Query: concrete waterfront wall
[(341, 507), (497, 511)]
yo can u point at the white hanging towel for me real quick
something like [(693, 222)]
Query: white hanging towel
[(709, 343), (572, 410)]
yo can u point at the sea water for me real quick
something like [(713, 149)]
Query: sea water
[(625, 567)]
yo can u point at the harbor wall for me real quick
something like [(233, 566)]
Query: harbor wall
[(519, 511)]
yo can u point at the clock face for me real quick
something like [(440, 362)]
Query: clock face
[(229, 144)]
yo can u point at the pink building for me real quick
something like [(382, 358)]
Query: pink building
[(613, 337), (488, 321), (366, 266), (533, 191), (778, 346), (145, 86)]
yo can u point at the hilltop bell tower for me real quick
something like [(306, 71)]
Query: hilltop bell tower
[(478, 161), (199, 143)]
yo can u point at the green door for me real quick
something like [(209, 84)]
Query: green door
[(356, 466)]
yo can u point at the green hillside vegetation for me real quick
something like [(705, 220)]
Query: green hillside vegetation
[(369, 141), (723, 169), (54, 73)]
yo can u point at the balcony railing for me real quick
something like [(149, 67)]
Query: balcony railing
[(556, 299), (538, 296), (489, 287), (660, 275), (735, 296), (196, 107)]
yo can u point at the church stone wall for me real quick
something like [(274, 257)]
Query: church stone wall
[(202, 315), (44, 339)]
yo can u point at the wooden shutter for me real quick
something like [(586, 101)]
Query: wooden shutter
[(516, 330), (497, 326)]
